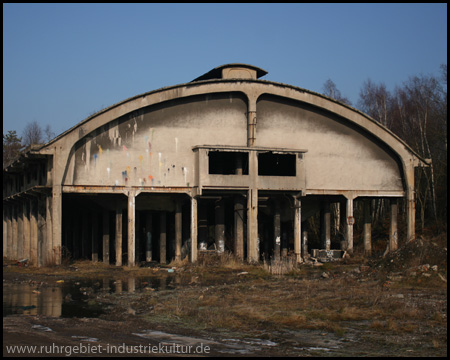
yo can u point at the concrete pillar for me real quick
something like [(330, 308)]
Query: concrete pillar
[(202, 226), (10, 231), (251, 127), (77, 238), (48, 242), (85, 235), (178, 230), (26, 230), (349, 226), (14, 232), (325, 225), (305, 240), (42, 230), (94, 237), (220, 226), (239, 227), (277, 230), (138, 237), (5, 233), (410, 203), (162, 238), (118, 243), (367, 227), (393, 232), (252, 226), (56, 230), (105, 236), (20, 231), (33, 233), (297, 229), (343, 223), (194, 232), (148, 237), (131, 228)]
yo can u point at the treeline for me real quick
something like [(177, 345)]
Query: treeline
[(33, 133), (416, 111)]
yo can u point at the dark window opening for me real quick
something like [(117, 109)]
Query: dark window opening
[(270, 164), (227, 163)]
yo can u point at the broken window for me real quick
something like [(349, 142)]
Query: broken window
[(276, 164), (228, 163)]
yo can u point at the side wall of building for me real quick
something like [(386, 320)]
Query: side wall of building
[(153, 146), (340, 156)]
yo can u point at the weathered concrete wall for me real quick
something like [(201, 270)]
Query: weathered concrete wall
[(339, 157), (153, 146)]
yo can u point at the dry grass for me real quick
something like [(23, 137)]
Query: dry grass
[(291, 304), (281, 266)]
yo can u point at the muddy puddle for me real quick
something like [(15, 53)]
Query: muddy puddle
[(71, 298)]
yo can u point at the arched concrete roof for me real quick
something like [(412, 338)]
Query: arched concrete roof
[(253, 90)]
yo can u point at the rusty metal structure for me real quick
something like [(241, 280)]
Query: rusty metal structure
[(227, 162)]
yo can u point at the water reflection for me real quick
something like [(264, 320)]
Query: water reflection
[(23, 299), (70, 299)]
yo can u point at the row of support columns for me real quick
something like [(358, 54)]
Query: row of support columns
[(27, 230), (347, 222)]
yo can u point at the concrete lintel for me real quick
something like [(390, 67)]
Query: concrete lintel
[(353, 194), (100, 189)]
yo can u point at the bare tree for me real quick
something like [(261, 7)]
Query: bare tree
[(49, 134), (32, 134), (375, 100), (330, 89)]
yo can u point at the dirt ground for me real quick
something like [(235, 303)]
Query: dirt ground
[(391, 306)]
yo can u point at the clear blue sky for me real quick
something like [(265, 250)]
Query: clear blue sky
[(62, 62)]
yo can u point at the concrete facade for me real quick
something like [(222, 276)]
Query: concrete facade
[(226, 162)]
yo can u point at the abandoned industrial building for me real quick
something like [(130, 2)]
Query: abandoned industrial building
[(226, 162)]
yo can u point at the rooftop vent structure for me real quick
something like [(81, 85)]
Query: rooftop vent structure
[(233, 71)]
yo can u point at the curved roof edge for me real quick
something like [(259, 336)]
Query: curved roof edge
[(426, 162)]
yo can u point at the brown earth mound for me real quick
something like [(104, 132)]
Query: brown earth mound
[(420, 254)]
